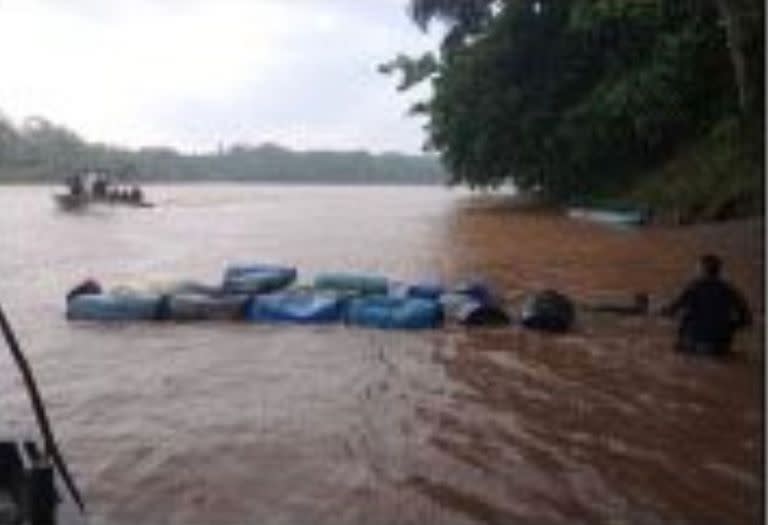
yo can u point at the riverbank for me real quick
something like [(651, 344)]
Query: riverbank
[(719, 177), (664, 208)]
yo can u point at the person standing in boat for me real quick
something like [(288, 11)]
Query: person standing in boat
[(100, 187), (136, 195), (712, 311), (76, 187)]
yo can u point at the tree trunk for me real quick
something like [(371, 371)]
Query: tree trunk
[(742, 19)]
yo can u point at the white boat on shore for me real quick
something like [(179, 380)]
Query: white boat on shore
[(608, 216)]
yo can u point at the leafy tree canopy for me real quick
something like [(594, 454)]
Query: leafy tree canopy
[(577, 97)]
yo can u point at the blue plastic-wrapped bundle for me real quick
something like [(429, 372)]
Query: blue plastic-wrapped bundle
[(425, 290), (114, 307), (352, 283), (202, 307), (296, 306), (394, 313), (419, 290), (257, 278)]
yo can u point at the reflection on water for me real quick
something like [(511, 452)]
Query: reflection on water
[(234, 423)]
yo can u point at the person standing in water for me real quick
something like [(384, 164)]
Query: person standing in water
[(712, 311)]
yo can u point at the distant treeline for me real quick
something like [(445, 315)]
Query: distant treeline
[(40, 151)]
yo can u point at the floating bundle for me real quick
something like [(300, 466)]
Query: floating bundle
[(297, 306), (256, 279), (114, 307), (267, 293), (394, 313)]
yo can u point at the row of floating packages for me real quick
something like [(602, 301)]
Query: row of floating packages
[(267, 293)]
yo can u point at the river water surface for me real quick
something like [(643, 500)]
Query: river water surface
[(227, 423)]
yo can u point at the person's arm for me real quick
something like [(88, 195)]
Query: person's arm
[(673, 307), (741, 309)]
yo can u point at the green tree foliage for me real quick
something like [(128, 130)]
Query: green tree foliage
[(39, 151), (573, 97), (413, 70)]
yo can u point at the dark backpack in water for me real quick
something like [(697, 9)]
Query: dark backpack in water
[(87, 287), (549, 311)]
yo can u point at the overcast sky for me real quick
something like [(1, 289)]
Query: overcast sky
[(195, 73)]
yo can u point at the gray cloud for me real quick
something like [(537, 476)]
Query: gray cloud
[(192, 74)]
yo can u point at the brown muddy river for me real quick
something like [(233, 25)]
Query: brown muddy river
[(227, 423)]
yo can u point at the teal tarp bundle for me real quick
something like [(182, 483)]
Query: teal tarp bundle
[(257, 278), (352, 282), (114, 307)]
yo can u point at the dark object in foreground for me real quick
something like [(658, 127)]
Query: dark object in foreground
[(548, 311), (28, 476), (712, 311), (29, 488)]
